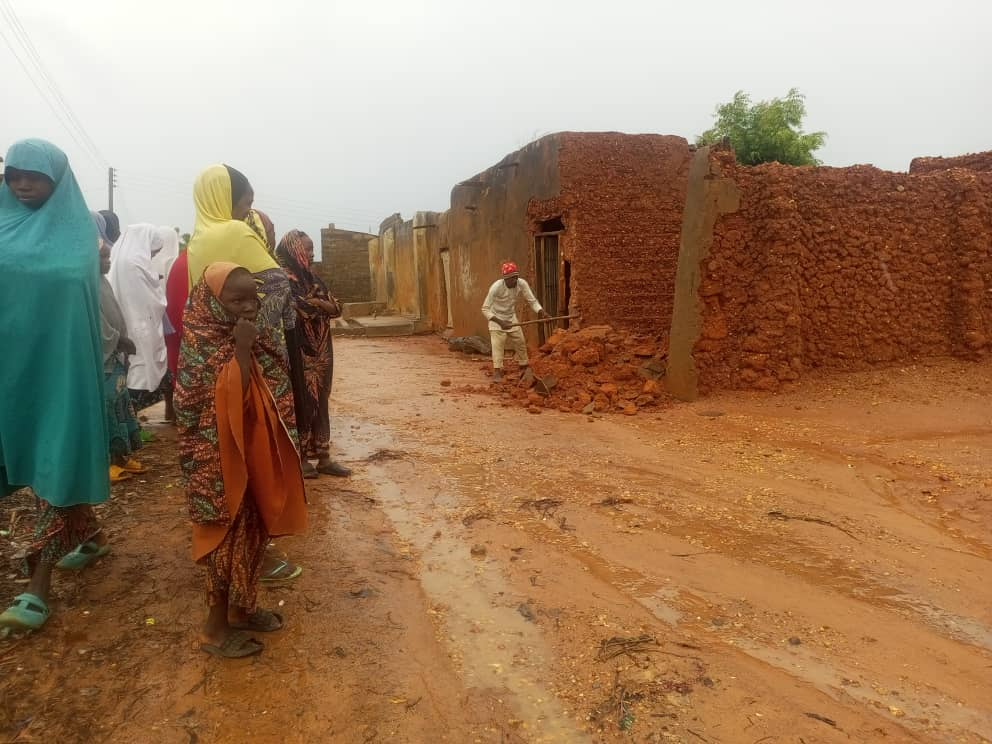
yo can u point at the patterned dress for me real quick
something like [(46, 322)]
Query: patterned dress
[(57, 531), (313, 333), (237, 548)]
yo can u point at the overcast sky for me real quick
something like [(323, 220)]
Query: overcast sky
[(347, 111)]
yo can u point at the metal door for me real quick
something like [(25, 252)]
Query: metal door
[(548, 289)]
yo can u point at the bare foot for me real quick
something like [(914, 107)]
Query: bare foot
[(216, 629)]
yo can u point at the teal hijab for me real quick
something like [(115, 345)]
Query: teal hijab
[(53, 431)]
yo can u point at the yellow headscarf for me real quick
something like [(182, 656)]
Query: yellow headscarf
[(217, 235)]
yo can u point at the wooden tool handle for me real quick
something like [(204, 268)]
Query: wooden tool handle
[(546, 320)]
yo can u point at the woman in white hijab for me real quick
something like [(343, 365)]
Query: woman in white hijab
[(163, 260), (162, 265), (139, 291)]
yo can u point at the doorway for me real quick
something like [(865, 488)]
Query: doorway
[(553, 276)]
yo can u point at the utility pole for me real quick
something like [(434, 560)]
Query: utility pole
[(111, 185)]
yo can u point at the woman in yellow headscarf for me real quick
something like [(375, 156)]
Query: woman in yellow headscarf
[(223, 199)]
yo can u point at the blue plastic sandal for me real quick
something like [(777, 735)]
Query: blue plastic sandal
[(27, 613), (83, 556)]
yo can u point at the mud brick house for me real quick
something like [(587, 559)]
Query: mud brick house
[(751, 275), (785, 269), (344, 264), (592, 219)]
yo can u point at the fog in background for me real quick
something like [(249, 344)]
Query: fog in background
[(349, 111)]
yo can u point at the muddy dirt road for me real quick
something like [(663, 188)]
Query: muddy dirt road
[(808, 567)]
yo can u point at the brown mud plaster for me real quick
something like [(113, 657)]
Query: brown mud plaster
[(841, 269), (976, 161), (708, 196)]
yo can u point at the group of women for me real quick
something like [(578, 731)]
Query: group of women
[(238, 327)]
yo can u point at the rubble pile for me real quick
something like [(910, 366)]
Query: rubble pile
[(593, 370)]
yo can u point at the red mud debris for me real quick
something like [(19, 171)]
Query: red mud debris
[(595, 369)]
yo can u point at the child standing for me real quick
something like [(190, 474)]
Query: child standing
[(239, 461)]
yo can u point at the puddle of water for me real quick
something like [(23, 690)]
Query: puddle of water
[(966, 629), (657, 599), (661, 603), (922, 714), (494, 644)]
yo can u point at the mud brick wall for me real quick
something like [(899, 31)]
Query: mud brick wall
[(841, 268), (978, 161), (345, 264), (621, 201), (487, 224)]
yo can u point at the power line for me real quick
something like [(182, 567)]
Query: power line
[(322, 216), (32, 51), (41, 93), (286, 200), (306, 208), (55, 100)]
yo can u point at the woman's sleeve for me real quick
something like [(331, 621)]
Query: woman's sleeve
[(110, 336)]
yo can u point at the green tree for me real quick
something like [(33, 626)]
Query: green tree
[(766, 131)]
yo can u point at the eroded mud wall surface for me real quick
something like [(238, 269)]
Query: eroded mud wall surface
[(621, 203), (841, 268), (976, 161)]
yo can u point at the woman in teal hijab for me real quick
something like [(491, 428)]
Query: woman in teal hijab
[(53, 432)]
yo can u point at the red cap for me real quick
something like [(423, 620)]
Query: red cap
[(510, 269)]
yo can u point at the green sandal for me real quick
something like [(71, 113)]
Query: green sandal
[(83, 556), (28, 612), (284, 571)]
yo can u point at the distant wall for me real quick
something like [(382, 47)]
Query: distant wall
[(621, 200), (377, 269), (488, 224), (431, 302), (978, 161), (344, 264), (838, 268), (404, 263), (405, 274)]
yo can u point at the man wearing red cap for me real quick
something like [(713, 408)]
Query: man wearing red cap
[(500, 309)]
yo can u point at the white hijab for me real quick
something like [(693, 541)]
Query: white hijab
[(141, 296), (163, 260)]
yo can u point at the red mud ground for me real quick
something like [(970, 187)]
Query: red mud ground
[(807, 567)]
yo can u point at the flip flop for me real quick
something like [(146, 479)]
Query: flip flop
[(260, 621), (237, 645), (284, 571), (28, 612), (118, 474), (82, 556), (334, 468), (133, 466), (147, 436)]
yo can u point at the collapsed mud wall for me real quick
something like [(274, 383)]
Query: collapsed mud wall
[(977, 161), (834, 268), (621, 202)]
